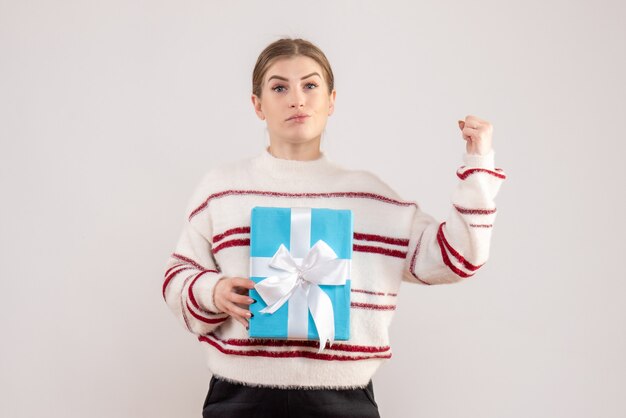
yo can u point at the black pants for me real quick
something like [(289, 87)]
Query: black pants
[(229, 400)]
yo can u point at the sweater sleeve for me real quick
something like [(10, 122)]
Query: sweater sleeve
[(191, 273), (452, 250)]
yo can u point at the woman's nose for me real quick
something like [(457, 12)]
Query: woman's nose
[(297, 98)]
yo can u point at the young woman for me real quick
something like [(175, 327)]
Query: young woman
[(207, 284)]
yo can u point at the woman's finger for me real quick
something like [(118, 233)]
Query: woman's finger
[(243, 299), (231, 309), (243, 282), (468, 133), (234, 309), (237, 313), (473, 123), (241, 291), (473, 120)]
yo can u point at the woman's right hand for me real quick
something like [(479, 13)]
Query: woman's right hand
[(230, 294)]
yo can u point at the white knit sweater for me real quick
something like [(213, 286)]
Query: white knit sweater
[(394, 241)]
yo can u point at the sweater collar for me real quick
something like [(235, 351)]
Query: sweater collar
[(295, 169)]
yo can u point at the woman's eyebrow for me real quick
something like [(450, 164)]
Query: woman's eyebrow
[(284, 79)]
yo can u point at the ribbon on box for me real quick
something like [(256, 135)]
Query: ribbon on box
[(297, 280), (320, 266)]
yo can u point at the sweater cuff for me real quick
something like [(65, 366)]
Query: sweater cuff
[(480, 161), (204, 291)]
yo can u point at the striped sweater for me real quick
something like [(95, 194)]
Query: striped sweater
[(393, 241)]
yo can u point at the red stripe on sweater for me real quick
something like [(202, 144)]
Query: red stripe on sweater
[(466, 211), (192, 297), (182, 302), (380, 238), (232, 243), (465, 174), (356, 235), (413, 260), (207, 320), (185, 318), (369, 292), (357, 195), (173, 267), (373, 306), (447, 261), (284, 354), (270, 342), (237, 230), (171, 275), (188, 261), (379, 250), (454, 252)]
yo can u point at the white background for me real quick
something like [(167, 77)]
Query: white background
[(110, 112)]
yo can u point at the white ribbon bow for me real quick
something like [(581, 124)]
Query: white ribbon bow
[(320, 266)]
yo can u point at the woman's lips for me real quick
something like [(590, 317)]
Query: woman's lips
[(298, 117)]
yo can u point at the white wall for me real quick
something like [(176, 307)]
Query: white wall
[(111, 111)]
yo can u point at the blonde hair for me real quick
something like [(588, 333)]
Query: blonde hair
[(287, 48)]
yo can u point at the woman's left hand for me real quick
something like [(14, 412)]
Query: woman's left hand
[(477, 133)]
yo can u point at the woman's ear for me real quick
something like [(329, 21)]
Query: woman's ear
[(256, 102), (331, 108)]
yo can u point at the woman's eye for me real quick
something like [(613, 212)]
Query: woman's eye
[(279, 88)]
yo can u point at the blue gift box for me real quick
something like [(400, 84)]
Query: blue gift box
[(294, 233)]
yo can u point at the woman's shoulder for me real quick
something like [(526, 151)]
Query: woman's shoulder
[(366, 180), (217, 179)]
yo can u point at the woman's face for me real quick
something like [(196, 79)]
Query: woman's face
[(293, 86)]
